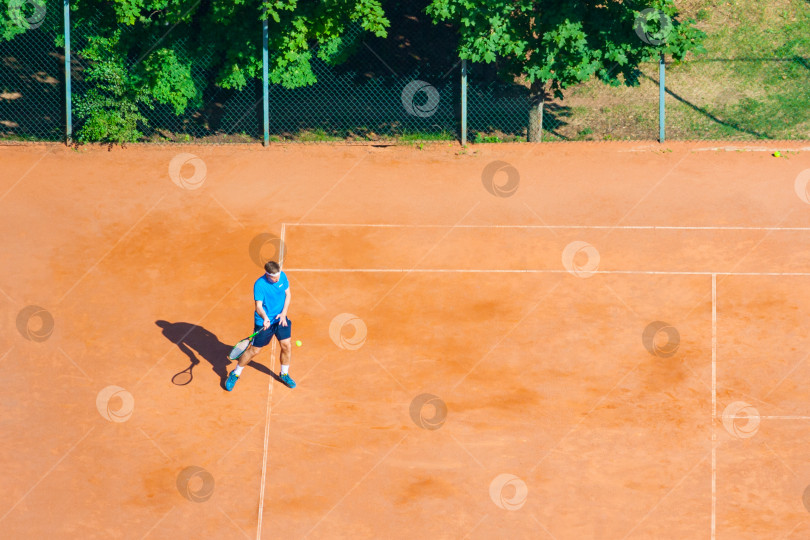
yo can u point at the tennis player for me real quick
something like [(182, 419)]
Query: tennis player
[(271, 292)]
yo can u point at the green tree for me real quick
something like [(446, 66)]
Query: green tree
[(18, 16), (171, 51), (110, 108), (553, 44)]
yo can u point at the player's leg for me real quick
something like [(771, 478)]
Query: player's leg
[(286, 351), (284, 336), (260, 340), (248, 355)]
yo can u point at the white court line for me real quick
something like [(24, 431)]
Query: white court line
[(761, 417), (713, 275), (621, 227), (714, 403), (269, 399), (749, 149), (546, 271)]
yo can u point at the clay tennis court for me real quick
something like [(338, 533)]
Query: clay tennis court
[(592, 341)]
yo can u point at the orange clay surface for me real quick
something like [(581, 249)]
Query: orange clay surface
[(533, 371)]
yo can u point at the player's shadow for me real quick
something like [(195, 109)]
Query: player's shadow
[(195, 340)]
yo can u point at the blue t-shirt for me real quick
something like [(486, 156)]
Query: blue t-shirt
[(272, 296)]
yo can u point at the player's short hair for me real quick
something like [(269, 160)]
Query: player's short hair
[(271, 267)]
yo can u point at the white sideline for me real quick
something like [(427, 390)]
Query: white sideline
[(608, 227), (269, 399), (768, 417), (546, 271), (714, 403)]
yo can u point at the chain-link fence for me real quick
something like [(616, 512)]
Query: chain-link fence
[(32, 94), (760, 98), (370, 96), (395, 88), (219, 114)]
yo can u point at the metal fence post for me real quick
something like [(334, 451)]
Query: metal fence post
[(463, 102), (68, 106), (661, 94), (265, 83)]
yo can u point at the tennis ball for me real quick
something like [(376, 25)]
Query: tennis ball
[(777, 154), (298, 343)]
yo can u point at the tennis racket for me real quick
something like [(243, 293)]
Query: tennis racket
[(242, 346)]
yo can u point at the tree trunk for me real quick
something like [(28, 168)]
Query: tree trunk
[(537, 96)]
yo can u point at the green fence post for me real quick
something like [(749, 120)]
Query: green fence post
[(265, 82), (68, 106), (662, 90), (463, 102)]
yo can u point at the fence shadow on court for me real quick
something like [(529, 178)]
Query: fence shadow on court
[(194, 340)]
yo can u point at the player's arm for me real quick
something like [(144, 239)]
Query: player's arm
[(282, 317), (262, 314)]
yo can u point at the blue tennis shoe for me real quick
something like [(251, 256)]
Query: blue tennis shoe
[(232, 378), (286, 379)]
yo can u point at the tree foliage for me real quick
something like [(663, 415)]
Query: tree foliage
[(110, 108), (171, 51), (18, 16), (141, 53), (560, 44)]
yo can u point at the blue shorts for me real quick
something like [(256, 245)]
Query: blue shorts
[(275, 329)]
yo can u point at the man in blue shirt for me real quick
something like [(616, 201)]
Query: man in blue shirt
[(271, 293)]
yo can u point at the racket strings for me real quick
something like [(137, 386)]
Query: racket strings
[(239, 349)]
